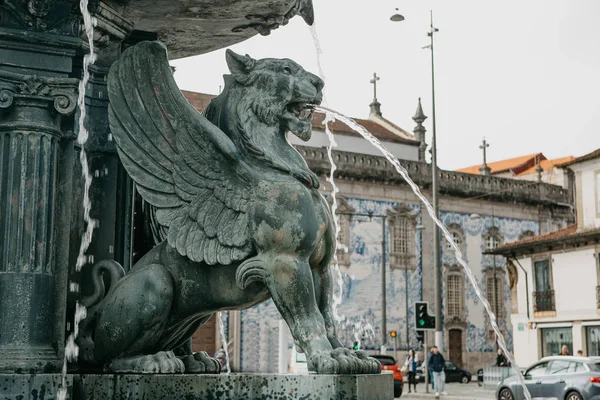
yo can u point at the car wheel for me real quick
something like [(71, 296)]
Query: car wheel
[(465, 379), (574, 396), (505, 394)]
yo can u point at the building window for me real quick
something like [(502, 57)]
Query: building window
[(457, 237), (553, 340), (455, 294), (491, 335), (526, 235), (495, 296), (492, 242), (543, 297), (402, 238), (593, 341)]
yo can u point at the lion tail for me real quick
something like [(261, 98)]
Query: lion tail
[(115, 272)]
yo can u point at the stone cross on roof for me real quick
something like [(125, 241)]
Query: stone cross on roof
[(375, 105), (485, 170), (374, 82)]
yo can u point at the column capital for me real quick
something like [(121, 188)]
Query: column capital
[(61, 92)]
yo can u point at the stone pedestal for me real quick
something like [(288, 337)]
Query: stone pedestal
[(201, 387)]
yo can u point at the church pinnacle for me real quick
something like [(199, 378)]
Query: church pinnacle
[(419, 130)]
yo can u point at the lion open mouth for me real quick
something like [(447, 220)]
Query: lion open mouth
[(301, 113)]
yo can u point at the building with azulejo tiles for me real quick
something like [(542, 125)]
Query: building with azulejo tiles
[(481, 212)]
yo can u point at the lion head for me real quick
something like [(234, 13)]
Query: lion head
[(283, 93)]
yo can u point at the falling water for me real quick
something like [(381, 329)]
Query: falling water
[(224, 340), (337, 295), (459, 257), (71, 349)]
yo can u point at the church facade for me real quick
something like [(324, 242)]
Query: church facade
[(386, 231)]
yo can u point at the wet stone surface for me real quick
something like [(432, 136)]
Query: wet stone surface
[(199, 387)]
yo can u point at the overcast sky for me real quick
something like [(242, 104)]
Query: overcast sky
[(523, 73)]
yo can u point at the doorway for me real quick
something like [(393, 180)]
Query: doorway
[(205, 338), (455, 346)]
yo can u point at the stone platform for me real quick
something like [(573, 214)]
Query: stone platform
[(199, 387)]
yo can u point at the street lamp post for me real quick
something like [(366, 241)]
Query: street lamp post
[(437, 266)]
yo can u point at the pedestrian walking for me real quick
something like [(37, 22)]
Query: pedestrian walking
[(430, 371), (411, 368), (501, 360), (437, 363)]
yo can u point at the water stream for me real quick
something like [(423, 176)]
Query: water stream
[(459, 257), (71, 349), (224, 340)]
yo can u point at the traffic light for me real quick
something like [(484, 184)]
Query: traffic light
[(393, 334), (355, 347), (421, 336), (423, 319)]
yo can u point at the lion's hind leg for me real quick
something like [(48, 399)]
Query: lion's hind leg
[(133, 321)]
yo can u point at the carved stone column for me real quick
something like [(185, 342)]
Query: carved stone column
[(32, 267)]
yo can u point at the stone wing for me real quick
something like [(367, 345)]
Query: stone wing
[(182, 164)]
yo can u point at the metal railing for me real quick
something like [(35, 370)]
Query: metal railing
[(543, 301)]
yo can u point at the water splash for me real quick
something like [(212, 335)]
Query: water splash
[(459, 257), (71, 348), (224, 340)]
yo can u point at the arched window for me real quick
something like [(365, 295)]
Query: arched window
[(457, 236), (492, 238)]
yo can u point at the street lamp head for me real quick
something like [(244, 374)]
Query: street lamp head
[(397, 17)]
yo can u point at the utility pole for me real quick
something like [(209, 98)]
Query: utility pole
[(437, 266), (406, 301), (383, 285), (495, 244)]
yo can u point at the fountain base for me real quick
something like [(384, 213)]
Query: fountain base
[(231, 387)]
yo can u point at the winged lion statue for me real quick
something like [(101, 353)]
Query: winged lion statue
[(245, 220)]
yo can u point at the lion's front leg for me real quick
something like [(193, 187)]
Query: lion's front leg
[(324, 285)]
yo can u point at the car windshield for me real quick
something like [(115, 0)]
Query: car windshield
[(301, 357), (385, 360)]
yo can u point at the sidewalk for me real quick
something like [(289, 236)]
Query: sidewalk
[(456, 391)]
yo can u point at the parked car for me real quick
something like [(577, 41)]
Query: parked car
[(298, 363), (454, 373), (388, 364), (559, 377)]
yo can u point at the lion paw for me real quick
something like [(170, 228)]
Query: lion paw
[(201, 363), (343, 361), (163, 362)]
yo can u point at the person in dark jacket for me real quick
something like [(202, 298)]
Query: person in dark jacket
[(501, 360), (437, 363), (564, 351)]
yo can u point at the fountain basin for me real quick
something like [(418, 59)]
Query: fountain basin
[(197, 387), (193, 27)]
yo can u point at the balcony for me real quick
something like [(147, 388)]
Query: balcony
[(543, 302)]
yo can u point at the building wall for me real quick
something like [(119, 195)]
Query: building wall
[(587, 178), (358, 145), (574, 280), (554, 176)]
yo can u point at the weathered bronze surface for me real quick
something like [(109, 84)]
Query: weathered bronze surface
[(245, 219)]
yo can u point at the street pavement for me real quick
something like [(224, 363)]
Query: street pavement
[(456, 391)]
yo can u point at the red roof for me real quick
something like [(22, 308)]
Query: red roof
[(570, 232), (516, 164), (590, 156), (547, 165), (201, 100)]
